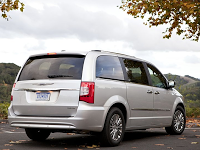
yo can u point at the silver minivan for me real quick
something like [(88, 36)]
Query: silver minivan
[(97, 92)]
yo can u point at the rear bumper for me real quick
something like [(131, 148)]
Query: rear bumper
[(88, 118)]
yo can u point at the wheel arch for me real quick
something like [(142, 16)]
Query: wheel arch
[(119, 102), (178, 102), (122, 108), (182, 105)]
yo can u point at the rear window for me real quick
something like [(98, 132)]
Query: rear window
[(53, 67)]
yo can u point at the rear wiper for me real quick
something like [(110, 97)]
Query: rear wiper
[(58, 76)]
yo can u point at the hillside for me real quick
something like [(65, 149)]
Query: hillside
[(189, 87), (189, 80), (8, 72)]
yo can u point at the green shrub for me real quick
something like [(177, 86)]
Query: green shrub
[(192, 112), (192, 108), (4, 110)]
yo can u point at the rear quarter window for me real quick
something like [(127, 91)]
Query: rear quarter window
[(53, 67), (109, 67)]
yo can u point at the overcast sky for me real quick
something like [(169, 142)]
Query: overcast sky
[(50, 26)]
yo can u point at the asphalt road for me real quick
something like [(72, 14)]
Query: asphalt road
[(151, 139)]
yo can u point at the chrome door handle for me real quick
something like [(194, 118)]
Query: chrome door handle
[(157, 93), (149, 92)]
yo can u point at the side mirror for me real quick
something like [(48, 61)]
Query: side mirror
[(171, 84)]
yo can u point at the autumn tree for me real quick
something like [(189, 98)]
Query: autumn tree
[(8, 5), (183, 16)]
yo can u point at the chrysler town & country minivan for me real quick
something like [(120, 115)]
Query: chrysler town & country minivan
[(93, 92)]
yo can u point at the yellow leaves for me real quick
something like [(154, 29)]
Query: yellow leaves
[(3, 7), (70, 133), (17, 142), (159, 144), (14, 142), (8, 144), (90, 147), (130, 4), (93, 146), (8, 5), (192, 122), (4, 15), (22, 7), (190, 5), (172, 12), (11, 143), (181, 138)]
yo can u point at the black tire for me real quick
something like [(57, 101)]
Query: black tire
[(37, 134), (114, 128), (178, 123)]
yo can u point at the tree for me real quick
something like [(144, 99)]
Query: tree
[(8, 5), (181, 15)]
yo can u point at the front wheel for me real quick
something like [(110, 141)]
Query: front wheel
[(37, 134), (114, 128), (178, 123)]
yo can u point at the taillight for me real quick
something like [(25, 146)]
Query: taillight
[(14, 85), (87, 92), (11, 98)]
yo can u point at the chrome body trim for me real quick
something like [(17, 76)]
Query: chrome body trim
[(54, 89), (141, 109)]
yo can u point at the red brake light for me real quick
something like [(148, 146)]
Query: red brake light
[(11, 98), (87, 92), (51, 53)]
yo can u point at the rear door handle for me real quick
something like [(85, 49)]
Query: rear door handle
[(149, 92), (157, 93)]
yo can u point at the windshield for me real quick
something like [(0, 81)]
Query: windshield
[(53, 67)]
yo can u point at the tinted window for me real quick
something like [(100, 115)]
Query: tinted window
[(135, 71), (53, 67), (158, 80), (109, 67)]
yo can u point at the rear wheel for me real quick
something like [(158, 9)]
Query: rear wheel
[(178, 122), (37, 134), (114, 128)]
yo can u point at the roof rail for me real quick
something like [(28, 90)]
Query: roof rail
[(112, 52)]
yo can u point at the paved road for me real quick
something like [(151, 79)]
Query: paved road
[(151, 139)]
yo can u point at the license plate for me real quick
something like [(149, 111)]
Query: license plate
[(42, 96)]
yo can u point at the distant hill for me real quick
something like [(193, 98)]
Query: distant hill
[(182, 80), (8, 73), (188, 86)]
